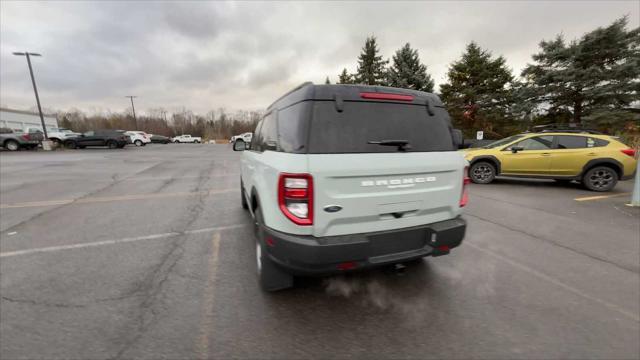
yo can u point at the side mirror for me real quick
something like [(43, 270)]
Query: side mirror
[(515, 149), (458, 140), (239, 146)]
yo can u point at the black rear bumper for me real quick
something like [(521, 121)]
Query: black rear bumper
[(309, 255)]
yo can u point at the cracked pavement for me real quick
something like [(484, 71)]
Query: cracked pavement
[(538, 276)]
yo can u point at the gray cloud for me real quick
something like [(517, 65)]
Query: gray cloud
[(204, 55)]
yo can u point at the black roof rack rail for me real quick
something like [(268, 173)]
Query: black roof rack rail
[(570, 128), (586, 131)]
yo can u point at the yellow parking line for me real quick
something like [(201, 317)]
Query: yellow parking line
[(599, 197), (112, 198)]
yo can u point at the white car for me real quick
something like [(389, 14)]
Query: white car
[(139, 138), (187, 139), (57, 135), (246, 137)]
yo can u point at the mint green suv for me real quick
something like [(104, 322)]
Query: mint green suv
[(344, 177)]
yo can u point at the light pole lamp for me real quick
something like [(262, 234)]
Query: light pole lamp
[(135, 119), (35, 88)]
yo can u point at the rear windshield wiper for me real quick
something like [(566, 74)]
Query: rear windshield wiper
[(403, 145)]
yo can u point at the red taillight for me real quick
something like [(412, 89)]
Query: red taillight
[(295, 193), (464, 198), (350, 265), (26, 137), (630, 152), (386, 96), (295, 197)]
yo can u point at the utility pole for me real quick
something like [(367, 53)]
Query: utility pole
[(135, 119), (35, 88)]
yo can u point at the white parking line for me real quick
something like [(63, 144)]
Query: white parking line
[(116, 241), (139, 178), (103, 199)]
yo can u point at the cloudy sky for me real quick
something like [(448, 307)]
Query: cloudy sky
[(242, 55)]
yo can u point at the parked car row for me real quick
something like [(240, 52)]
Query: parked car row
[(33, 136), (120, 138)]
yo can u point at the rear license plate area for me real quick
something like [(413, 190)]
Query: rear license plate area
[(384, 244)]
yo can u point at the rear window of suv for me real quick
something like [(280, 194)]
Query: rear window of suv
[(334, 132)]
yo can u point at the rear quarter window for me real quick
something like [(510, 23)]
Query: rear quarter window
[(292, 128), (359, 122), (269, 132), (594, 142), (257, 137), (571, 142)]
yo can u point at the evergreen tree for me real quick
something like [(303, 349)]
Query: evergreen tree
[(593, 78), (478, 94), (371, 67), (407, 71), (326, 81), (345, 77)]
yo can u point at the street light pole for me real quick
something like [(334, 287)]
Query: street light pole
[(35, 88), (135, 119)]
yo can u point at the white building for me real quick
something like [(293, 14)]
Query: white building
[(18, 120)]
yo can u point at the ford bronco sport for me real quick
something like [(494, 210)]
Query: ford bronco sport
[(347, 177)]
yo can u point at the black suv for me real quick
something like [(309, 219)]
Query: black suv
[(110, 138)]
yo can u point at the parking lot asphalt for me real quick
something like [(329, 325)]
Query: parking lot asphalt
[(146, 253)]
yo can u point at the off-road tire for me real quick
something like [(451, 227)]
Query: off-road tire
[(600, 178), (270, 275), (482, 172)]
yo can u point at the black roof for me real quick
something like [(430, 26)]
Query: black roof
[(343, 92)]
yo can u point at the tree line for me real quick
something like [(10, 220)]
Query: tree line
[(215, 124), (593, 81)]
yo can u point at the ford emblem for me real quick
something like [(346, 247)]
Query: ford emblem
[(332, 208)]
